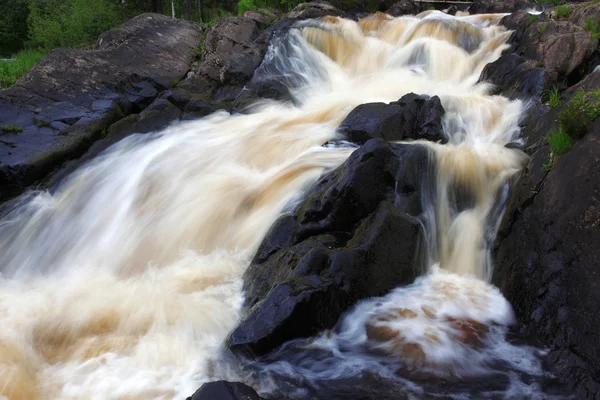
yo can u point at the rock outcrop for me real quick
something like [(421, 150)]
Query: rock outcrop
[(411, 117), (547, 265), (354, 236), (555, 44), (71, 97)]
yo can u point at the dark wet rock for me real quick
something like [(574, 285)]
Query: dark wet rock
[(499, 6), (157, 116), (66, 102), (518, 22), (547, 265), (515, 77), (403, 7), (193, 104), (223, 390), (411, 117), (354, 236)]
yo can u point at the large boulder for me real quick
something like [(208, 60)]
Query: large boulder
[(71, 97), (547, 261), (223, 390), (515, 77), (354, 236), (411, 117)]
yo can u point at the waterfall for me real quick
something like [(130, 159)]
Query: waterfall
[(124, 282)]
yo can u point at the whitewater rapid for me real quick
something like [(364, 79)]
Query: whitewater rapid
[(124, 282)]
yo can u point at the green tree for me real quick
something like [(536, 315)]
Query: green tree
[(13, 24), (68, 23)]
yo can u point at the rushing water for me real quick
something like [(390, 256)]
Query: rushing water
[(124, 282)]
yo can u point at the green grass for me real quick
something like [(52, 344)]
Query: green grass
[(553, 96), (579, 113), (593, 26), (12, 128), (40, 123), (532, 19), (563, 11), (559, 142), (574, 120), (19, 65)]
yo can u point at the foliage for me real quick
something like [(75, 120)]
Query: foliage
[(531, 19), (559, 142), (553, 96), (246, 5), (68, 23), (13, 22), (593, 26), (579, 113), (563, 11), (40, 123), (573, 122), (11, 70), (12, 128)]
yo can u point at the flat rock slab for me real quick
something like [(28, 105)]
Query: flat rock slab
[(71, 96)]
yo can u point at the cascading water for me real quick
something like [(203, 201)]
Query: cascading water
[(124, 282)]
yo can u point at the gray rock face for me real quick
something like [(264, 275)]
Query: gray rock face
[(65, 103), (232, 50), (557, 45)]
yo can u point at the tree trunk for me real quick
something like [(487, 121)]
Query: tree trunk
[(157, 6), (187, 9), (199, 5), (173, 8)]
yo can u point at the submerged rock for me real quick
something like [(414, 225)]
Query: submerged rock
[(223, 390), (547, 264), (411, 117), (354, 236)]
